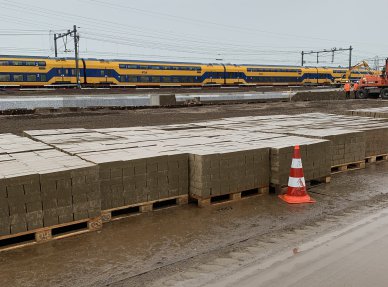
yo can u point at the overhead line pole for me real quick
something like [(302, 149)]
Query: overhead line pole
[(55, 46), (332, 51), (71, 33), (76, 38), (350, 57)]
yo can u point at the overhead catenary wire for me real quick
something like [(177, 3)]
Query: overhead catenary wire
[(145, 38)]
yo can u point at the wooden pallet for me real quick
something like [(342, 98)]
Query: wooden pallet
[(347, 166), (280, 189), (136, 209), (227, 198), (14, 241), (376, 158)]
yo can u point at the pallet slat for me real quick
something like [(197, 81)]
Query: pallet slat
[(376, 158), (59, 231), (347, 166), (278, 189), (227, 198), (135, 209)]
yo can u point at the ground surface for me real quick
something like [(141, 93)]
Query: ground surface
[(189, 246), (106, 118), (353, 256), (134, 91)]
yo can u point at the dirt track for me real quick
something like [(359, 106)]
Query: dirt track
[(106, 118)]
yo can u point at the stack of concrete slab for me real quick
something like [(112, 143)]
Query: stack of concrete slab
[(134, 167), (137, 175), (381, 112), (337, 128), (346, 146), (315, 153), (142, 164), (227, 169), (45, 187), (376, 130)]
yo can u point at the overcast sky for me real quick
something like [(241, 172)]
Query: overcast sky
[(244, 31)]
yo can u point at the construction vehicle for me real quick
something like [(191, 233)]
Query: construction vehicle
[(374, 85), (355, 73)]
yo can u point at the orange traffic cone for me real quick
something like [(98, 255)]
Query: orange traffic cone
[(296, 192)]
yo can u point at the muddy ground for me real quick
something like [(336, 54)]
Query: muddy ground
[(162, 90), (107, 118), (170, 246), (167, 247)]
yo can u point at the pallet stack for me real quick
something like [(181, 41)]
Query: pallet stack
[(44, 188), (134, 168), (315, 153), (222, 169), (346, 146), (381, 112), (139, 176)]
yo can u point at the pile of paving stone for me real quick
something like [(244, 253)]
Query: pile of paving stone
[(381, 112), (43, 187)]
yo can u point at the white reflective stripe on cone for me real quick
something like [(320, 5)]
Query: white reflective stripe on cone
[(296, 182), (296, 163)]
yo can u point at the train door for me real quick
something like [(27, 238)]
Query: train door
[(106, 74), (237, 77), (65, 75)]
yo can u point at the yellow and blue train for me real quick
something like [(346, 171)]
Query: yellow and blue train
[(24, 71)]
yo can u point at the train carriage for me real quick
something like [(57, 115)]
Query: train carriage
[(272, 75), (22, 71)]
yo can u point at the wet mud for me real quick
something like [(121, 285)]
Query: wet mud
[(137, 251)]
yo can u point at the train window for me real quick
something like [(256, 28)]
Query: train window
[(175, 79), (165, 79), (31, 78), (102, 73), (122, 66), (132, 79), (43, 78), (122, 79), (5, 78), (144, 79), (143, 67), (4, 63), (66, 72), (155, 79), (18, 78)]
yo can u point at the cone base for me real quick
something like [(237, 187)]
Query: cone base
[(296, 199)]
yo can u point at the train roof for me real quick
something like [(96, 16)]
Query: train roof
[(160, 62), (106, 60)]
